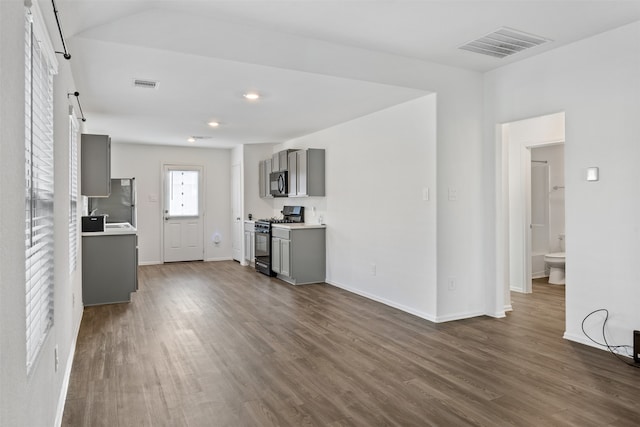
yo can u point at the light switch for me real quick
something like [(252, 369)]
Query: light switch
[(425, 194), (592, 174)]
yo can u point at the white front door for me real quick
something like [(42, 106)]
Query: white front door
[(183, 211), (236, 212)]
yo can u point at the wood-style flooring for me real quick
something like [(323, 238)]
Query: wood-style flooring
[(216, 344)]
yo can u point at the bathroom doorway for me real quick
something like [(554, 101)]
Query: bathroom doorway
[(547, 206), (520, 141)]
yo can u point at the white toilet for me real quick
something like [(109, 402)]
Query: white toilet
[(556, 262)]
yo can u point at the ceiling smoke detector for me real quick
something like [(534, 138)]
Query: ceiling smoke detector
[(504, 42), (147, 84)]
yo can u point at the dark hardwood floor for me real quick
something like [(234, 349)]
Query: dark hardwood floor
[(216, 344)]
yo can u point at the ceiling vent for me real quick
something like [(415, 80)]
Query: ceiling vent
[(147, 84), (504, 42)]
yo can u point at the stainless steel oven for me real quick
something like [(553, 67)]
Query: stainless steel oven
[(290, 214), (263, 246)]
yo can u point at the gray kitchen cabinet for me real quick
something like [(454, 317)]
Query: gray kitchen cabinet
[(280, 255), (298, 254), (249, 242), (109, 268), (307, 173), (95, 179), (263, 178)]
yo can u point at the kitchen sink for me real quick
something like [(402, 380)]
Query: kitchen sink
[(118, 226)]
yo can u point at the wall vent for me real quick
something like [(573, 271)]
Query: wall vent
[(147, 84), (504, 42)]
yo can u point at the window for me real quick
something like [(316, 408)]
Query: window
[(183, 197), (73, 191), (39, 70)]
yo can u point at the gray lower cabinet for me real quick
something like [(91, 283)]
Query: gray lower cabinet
[(249, 242), (109, 268), (298, 255)]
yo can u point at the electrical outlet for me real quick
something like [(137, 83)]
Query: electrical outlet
[(451, 284), (56, 359), (73, 300), (373, 268)]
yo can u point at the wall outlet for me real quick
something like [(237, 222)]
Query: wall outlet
[(451, 284), (453, 194), (73, 300), (373, 268)]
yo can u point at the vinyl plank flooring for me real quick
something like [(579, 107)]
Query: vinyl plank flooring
[(217, 344)]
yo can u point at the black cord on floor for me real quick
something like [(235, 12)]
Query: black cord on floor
[(604, 337)]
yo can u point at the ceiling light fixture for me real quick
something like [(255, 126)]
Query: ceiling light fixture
[(213, 124), (252, 96), (191, 139)]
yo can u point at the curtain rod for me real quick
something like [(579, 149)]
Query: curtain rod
[(66, 53), (77, 95)]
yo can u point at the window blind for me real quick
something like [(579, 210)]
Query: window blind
[(39, 259), (73, 190)]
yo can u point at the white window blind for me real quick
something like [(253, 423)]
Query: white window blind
[(73, 190), (39, 259)]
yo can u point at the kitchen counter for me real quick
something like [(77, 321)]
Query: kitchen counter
[(297, 226), (113, 228)]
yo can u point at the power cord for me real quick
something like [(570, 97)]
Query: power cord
[(604, 337)]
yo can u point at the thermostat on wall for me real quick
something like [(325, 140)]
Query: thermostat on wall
[(592, 174)]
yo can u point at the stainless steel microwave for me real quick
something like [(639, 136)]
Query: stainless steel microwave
[(279, 184)]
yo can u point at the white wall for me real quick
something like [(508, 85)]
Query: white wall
[(376, 169), (144, 162), (595, 82), (34, 399)]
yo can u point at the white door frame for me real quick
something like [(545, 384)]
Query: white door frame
[(552, 133), (202, 201)]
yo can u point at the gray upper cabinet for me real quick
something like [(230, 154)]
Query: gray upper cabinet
[(95, 178), (263, 178), (307, 173)]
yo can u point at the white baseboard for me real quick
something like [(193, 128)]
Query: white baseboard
[(508, 307), (385, 301), (149, 262), (497, 314), (581, 339), (67, 376), (218, 259), (464, 315)]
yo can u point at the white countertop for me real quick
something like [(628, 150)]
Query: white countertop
[(113, 228), (297, 226)]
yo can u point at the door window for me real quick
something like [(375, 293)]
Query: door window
[(183, 193)]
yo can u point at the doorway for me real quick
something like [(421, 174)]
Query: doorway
[(183, 213), (515, 223)]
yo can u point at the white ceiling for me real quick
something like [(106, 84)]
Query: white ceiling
[(206, 54)]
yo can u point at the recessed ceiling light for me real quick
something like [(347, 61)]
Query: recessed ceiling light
[(191, 139), (213, 124), (252, 96)]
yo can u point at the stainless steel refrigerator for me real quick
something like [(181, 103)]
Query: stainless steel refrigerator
[(120, 206)]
